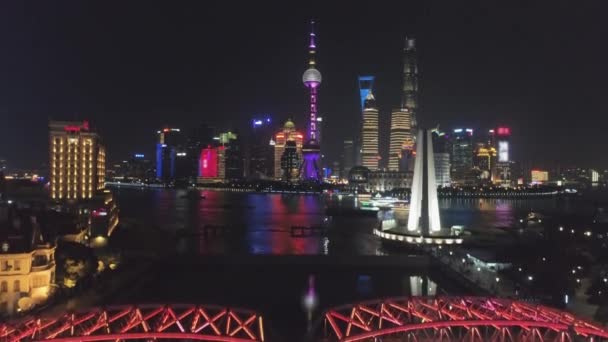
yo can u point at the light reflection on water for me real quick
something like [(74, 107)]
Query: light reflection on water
[(261, 223)]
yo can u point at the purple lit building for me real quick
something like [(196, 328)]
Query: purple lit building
[(311, 151)]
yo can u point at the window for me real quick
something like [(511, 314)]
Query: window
[(4, 266), (17, 265), (17, 286), (3, 287)]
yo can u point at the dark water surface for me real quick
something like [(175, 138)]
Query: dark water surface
[(261, 266)]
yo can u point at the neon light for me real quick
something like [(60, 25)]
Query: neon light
[(504, 131), (257, 123), (458, 130), (138, 155), (166, 130), (208, 167)]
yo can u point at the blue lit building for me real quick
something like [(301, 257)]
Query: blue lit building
[(366, 83), (167, 149)]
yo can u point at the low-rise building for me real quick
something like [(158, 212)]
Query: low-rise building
[(27, 262)]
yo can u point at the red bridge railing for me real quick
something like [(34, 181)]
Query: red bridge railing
[(146, 322), (456, 319)]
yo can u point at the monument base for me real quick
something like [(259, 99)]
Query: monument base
[(442, 237)]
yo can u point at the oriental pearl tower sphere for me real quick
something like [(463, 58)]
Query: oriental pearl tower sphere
[(311, 150)]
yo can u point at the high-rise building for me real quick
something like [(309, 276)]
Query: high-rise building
[(441, 148), (485, 160), (288, 133), (311, 151), (198, 138), (401, 143), (231, 156), (259, 152), (139, 167), (369, 133), (290, 161), (366, 84), (462, 155), (502, 173), (403, 119), (170, 142), (409, 98), (347, 158), (77, 161)]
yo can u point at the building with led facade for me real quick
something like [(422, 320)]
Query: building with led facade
[(288, 133), (462, 155), (370, 134), (366, 85), (401, 144), (485, 160), (27, 262), (170, 143), (77, 161), (539, 176), (502, 171)]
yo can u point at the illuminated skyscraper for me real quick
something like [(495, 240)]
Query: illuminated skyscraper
[(290, 161), (77, 161), (502, 173), (366, 85), (311, 163), (409, 98), (462, 155), (168, 146), (369, 133), (347, 158), (259, 152), (401, 139), (288, 133)]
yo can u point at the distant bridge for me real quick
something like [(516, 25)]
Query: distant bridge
[(455, 319), (141, 322)]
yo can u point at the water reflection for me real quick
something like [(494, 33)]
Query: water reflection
[(261, 223)]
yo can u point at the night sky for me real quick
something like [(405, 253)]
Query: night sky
[(131, 67)]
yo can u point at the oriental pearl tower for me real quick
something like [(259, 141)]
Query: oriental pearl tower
[(311, 150)]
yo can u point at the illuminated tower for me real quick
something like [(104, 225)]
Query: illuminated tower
[(369, 133), (366, 84), (409, 98), (311, 163), (403, 119), (76, 159)]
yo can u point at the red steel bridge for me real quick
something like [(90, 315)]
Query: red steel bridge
[(397, 319), (141, 322), (456, 319)]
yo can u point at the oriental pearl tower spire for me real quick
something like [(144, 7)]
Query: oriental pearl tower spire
[(311, 150)]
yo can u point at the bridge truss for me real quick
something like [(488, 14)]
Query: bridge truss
[(141, 322), (456, 319)]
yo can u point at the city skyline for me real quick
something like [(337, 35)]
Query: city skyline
[(469, 78)]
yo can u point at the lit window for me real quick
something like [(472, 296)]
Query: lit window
[(17, 286)]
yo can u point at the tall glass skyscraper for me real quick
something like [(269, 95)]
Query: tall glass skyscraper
[(366, 84), (403, 119), (369, 133)]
